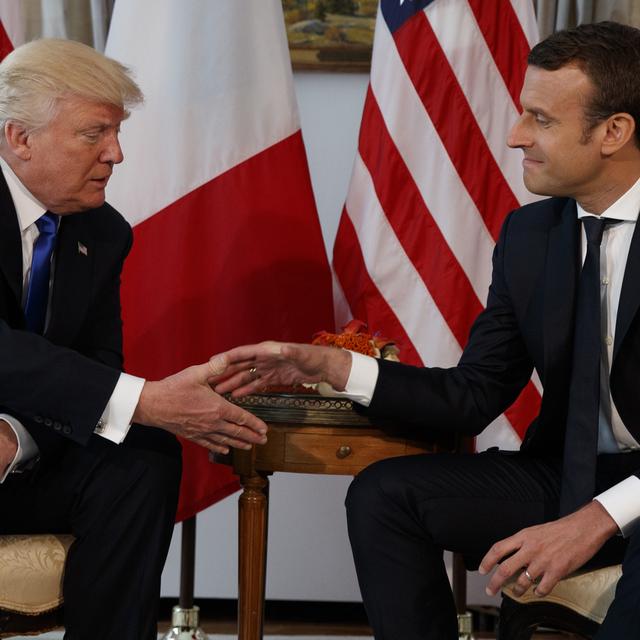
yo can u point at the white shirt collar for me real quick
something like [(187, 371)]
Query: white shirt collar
[(28, 208), (626, 207)]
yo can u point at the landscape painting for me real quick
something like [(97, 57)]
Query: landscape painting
[(330, 35)]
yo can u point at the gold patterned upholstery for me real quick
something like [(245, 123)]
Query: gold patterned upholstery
[(31, 570), (588, 593)]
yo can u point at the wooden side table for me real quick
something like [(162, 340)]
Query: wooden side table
[(307, 434)]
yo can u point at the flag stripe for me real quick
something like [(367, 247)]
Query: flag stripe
[(496, 19), (482, 85), (433, 178), (387, 263), (527, 20), (523, 411), (6, 46), (465, 143), (358, 286), (415, 228), (421, 148)]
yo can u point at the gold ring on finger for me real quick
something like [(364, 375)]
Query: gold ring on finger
[(253, 372), (527, 575)]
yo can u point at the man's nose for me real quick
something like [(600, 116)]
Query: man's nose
[(112, 153), (518, 137)]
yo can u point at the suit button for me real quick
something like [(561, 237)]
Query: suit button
[(48, 422), (67, 430), (38, 419), (57, 426)]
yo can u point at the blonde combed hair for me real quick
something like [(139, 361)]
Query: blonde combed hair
[(36, 75)]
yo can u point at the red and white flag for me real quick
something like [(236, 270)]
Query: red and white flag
[(12, 27), (228, 246), (433, 179)]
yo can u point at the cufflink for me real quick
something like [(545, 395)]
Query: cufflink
[(100, 427)]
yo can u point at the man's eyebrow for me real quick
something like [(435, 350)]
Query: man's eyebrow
[(537, 111), (97, 126)]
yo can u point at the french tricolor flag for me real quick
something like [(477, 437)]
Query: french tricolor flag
[(228, 246)]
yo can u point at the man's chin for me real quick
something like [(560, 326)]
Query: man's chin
[(86, 204), (538, 188)]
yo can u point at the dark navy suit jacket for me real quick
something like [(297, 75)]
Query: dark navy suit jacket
[(528, 322), (59, 384)]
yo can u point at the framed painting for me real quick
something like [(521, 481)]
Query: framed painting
[(330, 35)]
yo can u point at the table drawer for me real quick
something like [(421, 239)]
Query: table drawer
[(339, 450)]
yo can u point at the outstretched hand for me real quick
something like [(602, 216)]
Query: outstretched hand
[(548, 552), (186, 405), (252, 368)]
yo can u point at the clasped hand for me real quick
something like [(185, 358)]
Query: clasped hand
[(185, 404), (251, 368)]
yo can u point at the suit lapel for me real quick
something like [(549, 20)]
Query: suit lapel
[(560, 291), (630, 293), (10, 243), (72, 280)]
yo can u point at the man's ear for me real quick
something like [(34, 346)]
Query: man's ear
[(620, 128), (17, 139)]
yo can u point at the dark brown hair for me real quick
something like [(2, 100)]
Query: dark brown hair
[(609, 54)]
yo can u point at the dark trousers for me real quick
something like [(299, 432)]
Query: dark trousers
[(403, 513), (119, 502)]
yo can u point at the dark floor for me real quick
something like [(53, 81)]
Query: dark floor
[(317, 618)]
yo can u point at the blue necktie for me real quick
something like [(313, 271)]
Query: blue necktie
[(581, 436), (35, 309)]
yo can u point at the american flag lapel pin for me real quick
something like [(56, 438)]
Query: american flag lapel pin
[(82, 249)]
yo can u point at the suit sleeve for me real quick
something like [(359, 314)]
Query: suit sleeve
[(51, 387), (494, 367), (59, 391)]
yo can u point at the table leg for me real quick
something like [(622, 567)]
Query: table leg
[(252, 560)]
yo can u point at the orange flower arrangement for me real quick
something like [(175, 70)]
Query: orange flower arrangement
[(355, 336)]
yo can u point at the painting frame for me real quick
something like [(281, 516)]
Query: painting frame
[(330, 35)]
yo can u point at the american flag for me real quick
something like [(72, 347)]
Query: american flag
[(433, 179)]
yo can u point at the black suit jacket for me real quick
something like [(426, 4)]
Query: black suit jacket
[(59, 384), (528, 322)]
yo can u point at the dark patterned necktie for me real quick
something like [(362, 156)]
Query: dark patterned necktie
[(581, 436), (35, 309)]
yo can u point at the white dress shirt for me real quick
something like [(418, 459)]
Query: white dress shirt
[(116, 417), (622, 501)]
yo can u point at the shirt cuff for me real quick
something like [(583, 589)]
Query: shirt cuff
[(27, 447), (622, 503), (362, 379), (116, 418)]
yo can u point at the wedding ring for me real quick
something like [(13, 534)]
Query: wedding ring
[(253, 372), (527, 575)]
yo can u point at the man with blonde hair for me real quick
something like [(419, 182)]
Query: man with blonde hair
[(70, 459)]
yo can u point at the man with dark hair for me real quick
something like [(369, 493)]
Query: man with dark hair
[(564, 301)]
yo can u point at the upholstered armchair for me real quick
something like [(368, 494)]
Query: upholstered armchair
[(31, 570), (577, 604)]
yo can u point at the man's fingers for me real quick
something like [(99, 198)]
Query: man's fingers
[(217, 364), (239, 436), (528, 578), (546, 584), (498, 551), (250, 425), (238, 382), (506, 568), (501, 575)]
